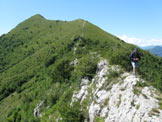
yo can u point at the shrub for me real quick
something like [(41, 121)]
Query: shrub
[(62, 71), (132, 103), (14, 116), (113, 74), (141, 84), (87, 66), (154, 111), (71, 113), (51, 60), (120, 57), (57, 91), (99, 119), (137, 91)]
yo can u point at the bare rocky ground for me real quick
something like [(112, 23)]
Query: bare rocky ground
[(118, 99)]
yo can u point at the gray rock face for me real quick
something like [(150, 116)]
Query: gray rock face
[(36, 110), (74, 63), (121, 100)]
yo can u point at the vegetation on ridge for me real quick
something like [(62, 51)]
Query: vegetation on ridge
[(35, 66)]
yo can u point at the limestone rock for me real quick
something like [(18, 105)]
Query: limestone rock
[(36, 110), (118, 101)]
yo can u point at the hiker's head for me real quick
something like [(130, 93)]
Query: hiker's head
[(135, 50)]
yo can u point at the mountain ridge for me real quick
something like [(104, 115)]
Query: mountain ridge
[(157, 50), (44, 60)]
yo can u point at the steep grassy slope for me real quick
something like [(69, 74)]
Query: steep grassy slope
[(36, 65), (32, 35)]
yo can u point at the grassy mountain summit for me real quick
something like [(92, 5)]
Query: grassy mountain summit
[(37, 64)]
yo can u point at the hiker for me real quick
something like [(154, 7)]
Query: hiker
[(134, 57)]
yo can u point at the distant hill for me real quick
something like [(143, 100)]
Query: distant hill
[(157, 50), (43, 63), (147, 47)]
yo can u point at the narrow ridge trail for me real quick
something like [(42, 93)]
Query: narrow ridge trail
[(83, 28)]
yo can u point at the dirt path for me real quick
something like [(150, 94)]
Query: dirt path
[(83, 28)]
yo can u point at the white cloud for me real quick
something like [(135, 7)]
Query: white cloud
[(141, 42)]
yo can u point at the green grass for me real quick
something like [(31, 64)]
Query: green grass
[(138, 106), (160, 102), (132, 103), (35, 65), (119, 101), (137, 91), (98, 119), (154, 111)]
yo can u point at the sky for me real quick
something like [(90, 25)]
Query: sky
[(134, 21)]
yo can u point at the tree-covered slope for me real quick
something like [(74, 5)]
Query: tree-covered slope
[(36, 64), (32, 35)]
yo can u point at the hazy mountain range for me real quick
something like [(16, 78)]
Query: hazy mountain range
[(157, 50)]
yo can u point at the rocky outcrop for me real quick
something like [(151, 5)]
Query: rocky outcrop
[(74, 63), (36, 110), (121, 100)]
